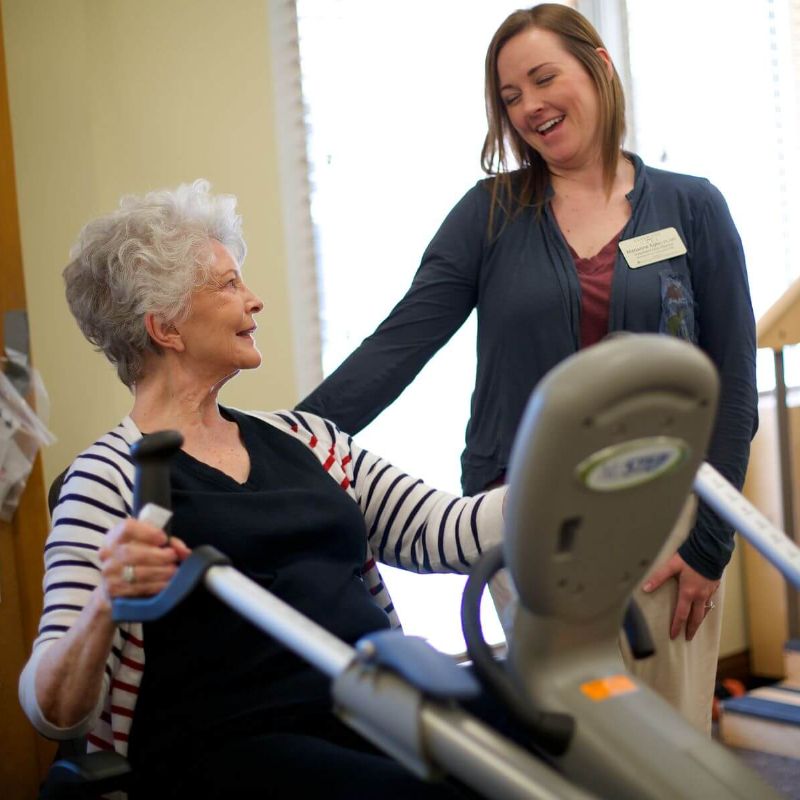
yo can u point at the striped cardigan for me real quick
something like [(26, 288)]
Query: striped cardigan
[(409, 525)]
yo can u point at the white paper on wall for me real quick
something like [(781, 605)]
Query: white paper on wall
[(22, 433)]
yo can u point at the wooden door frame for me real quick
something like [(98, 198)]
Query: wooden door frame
[(25, 755)]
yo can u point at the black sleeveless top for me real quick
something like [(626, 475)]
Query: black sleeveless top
[(209, 674)]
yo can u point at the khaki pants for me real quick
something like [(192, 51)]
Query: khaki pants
[(682, 672)]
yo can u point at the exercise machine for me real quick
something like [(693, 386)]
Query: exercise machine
[(611, 445), (608, 450)]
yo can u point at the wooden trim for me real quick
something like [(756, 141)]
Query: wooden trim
[(736, 665), (779, 326), (764, 586), (25, 755)]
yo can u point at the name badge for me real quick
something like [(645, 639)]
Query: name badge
[(651, 247)]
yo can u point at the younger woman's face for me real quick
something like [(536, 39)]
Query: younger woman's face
[(551, 100)]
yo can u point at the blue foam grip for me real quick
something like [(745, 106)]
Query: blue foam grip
[(764, 709), (103, 771), (183, 583), (411, 657)]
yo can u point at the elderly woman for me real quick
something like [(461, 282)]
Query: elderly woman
[(551, 257), (201, 701)]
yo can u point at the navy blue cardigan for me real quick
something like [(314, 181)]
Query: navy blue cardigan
[(525, 288)]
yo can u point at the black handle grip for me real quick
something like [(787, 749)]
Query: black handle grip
[(151, 484), (550, 730), (152, 454), (637, 632)]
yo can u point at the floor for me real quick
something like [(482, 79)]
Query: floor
[(780, 772)]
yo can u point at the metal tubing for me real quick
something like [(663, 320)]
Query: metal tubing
[(461, 744), (770, 541), (490, 763)]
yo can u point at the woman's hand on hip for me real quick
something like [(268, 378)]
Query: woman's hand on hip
[(694, 595), (138, 559)]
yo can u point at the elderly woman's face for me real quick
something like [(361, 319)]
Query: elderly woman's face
[(219, 333), (551, 100)]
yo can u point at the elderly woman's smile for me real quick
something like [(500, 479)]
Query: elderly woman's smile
[(218, 331)]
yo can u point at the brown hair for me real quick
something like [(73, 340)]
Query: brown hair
[(581, 40)]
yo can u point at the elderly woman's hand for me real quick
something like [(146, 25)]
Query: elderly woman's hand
[(138, 560)]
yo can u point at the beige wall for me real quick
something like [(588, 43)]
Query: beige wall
[(110, 97), (734, 637)]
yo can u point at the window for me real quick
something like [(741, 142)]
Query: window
[(396, 122), (714, 94), (394, 97)]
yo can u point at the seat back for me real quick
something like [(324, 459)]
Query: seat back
[(74, 774), (55, 490)]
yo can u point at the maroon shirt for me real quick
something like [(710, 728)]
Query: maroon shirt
[(594, 275)]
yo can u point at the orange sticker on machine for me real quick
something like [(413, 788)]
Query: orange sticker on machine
[(608, 687)]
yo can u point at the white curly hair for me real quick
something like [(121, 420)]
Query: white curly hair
[(148, 256)]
